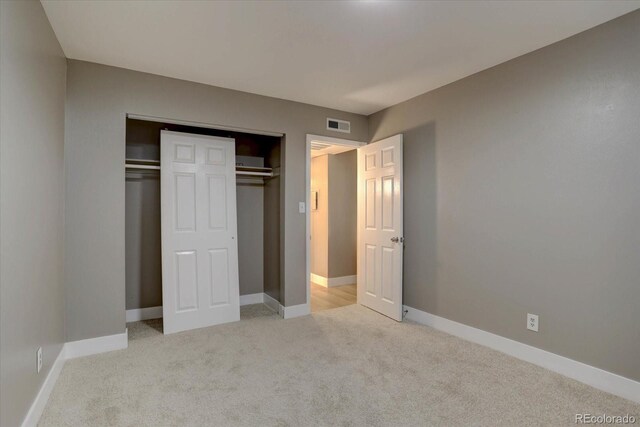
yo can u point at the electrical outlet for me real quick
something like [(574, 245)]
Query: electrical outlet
[(39, 359), (532, 322)]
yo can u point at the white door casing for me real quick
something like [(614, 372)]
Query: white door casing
[(380, 226), (199, 231)]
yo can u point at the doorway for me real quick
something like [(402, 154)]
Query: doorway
[(331, 222)]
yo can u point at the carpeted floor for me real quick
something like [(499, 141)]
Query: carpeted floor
[(348, 366)]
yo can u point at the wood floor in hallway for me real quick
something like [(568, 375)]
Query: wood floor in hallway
[(338, 296)]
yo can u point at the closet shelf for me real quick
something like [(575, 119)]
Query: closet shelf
[(254, 171)]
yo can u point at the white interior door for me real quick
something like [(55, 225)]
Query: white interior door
[(199, 229), (380, 227)]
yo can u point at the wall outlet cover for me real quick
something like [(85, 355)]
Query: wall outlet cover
[(532, 322)]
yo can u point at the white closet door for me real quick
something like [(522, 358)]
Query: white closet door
[(380, 226), (199, 231)]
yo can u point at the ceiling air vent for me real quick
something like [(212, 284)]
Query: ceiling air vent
[(339, 125)]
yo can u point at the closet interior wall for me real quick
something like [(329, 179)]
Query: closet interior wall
[(258, 210), (273, 238)]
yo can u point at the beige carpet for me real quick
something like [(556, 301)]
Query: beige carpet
[(348, 366)]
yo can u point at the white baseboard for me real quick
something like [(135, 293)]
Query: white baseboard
[(71, 350), (271, 302), (590, 375), (286, 312), (138, 314), (96, 345), (341, 281), (252, 299), (91, 346), (40, 402), (295, 311), (318, 280), (329, 282)]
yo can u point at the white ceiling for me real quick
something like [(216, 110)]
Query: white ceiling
[(324, 149), (358, 56)]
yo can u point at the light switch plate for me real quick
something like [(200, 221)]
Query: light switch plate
[(39, 359), (301, 207)]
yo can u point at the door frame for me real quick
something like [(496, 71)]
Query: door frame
[(197, 124), (327, 140)]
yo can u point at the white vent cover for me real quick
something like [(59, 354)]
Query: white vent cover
[(338, 125)]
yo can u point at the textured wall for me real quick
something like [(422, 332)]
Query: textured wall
[(521, 196), (32, 83)]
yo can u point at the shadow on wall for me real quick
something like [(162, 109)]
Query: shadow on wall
[(420, 270), (536, 204)]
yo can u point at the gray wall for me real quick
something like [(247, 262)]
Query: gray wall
[(32, 83), (273, 238), (343, 214), (143, 240), (521, 196), (98, 98), (250, 208)]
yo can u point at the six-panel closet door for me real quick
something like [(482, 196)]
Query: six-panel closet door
[(199, 231)]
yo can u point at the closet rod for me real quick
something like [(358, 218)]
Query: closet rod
[(137, 161), (141, 167), (254, 173), (267, 174)]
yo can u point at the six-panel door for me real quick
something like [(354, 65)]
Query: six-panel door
[(199, 231), (380, 226)]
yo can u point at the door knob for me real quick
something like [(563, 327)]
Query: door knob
[(395, 239)]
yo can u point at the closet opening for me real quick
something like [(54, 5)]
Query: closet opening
[(258, 164), (332, 222)]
